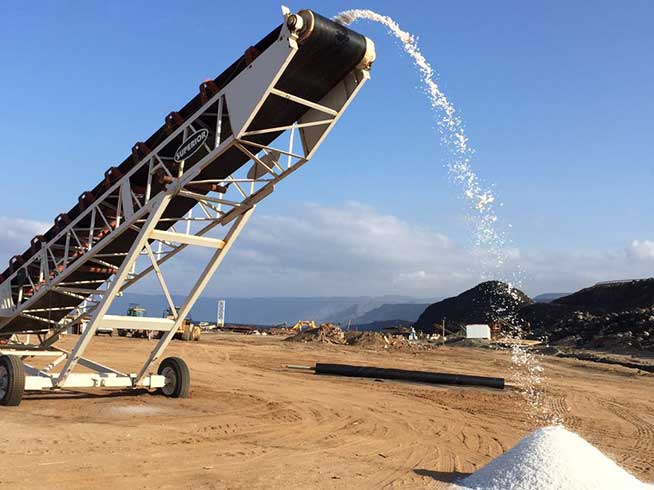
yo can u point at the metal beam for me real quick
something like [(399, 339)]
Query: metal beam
[(201, 283), (159, 205), (168, 236), (120, 322)]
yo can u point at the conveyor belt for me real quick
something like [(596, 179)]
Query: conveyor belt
[(327, 53)]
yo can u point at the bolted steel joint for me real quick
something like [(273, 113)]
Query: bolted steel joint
[(294, 22)]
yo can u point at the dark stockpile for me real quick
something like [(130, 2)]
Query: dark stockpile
[(488, 302), (611, 316), (612, 296), (625, 330), (616, 316), (541, 316)]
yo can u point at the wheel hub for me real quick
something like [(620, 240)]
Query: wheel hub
[(171, 381)]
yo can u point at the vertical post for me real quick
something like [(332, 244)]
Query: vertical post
[(158, 207), (290, 147), (197, 290), (189, 216), (219, 121), (67, 249), (443, 331), (220, 320), (148, 187), (45, 266), (91, 229)]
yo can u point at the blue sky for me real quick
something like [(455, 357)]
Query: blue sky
[(556, 98)]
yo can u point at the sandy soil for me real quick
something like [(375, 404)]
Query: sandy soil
[(251, 424)]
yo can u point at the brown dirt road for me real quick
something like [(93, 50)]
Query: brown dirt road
[(250, 424)]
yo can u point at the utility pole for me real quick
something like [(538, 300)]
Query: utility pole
[(443, 331)]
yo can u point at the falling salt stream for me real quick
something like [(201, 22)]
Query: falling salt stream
[(489, 238), (551, 458)]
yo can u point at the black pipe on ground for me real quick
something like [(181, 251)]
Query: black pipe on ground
[(404, 375)]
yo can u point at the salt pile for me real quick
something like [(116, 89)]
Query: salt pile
[(553, 458)]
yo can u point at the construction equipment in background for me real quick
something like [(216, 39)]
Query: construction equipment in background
[(186, 331), (303, 325), (206, 168), (102, 330), (136, 311)]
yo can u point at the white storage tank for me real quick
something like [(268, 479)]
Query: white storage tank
[(478, 332)]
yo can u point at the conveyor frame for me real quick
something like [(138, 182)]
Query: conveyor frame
[(226, 208)]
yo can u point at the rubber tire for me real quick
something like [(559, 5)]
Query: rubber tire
[(16, 387), (122, 333), (182, 373)]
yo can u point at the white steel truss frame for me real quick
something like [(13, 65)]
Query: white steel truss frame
[(227, 208)]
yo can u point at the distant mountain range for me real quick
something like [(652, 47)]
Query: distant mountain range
[(379, 325), (482, 304), (549, 297), (275, 311), (408, 312)]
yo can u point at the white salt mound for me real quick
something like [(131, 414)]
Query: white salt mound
[(553, 458)]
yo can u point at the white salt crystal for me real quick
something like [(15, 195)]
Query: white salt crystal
[(553, 458)]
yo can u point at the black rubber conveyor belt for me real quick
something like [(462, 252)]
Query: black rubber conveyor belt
[(404, 375)]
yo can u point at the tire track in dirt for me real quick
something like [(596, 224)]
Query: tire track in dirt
[(252, 425), (395, 473), (644, 430), (557, 405), (642, 451)]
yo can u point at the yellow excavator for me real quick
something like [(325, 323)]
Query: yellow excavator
[(186, 331), (303, 325)]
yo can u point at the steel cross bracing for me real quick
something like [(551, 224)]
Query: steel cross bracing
[(226, 207)]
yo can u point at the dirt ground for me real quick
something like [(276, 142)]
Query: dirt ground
[(251, 424)]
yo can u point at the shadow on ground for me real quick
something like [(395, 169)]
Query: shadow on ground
[(441, 476), (76, 395)]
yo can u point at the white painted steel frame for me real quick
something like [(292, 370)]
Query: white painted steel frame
[(240, 101)]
